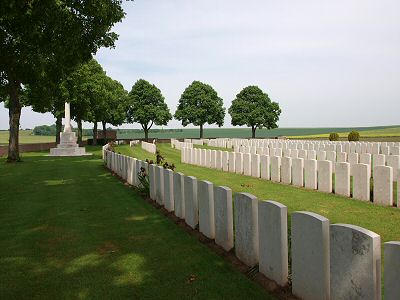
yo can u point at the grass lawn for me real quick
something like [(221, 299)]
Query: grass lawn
[(382, 220), (70, 230)]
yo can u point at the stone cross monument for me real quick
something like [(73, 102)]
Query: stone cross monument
[(68, 145)]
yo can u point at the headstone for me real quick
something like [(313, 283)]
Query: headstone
[(311, 154), (191, 203), (255, 165), (205, 198), (239, 163), (275, 168), (273, 241), (225, 161), (361, 182), (159, 185), (355, 259), (168, 190), (246, 228), (310, 174), (152, 181), (342, 179), (179, 203), (265, 167), (391, 267), (286, 170), (208, 159), (310, 256), (247, 164), (321, 155), (232, 159), (378, 160), (342, 157), (383, 185), (325, 176), (394, 162), (218, 160), (353, 159), (298, 171), (223, 217), (213, 159)]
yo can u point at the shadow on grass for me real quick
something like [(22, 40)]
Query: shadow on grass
[(72, 230)]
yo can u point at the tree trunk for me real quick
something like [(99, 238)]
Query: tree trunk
[(95, 134), (14, 113), (79, 122), (58, 129), (253, 132), (104, 132), (201, 131), (146, 134)]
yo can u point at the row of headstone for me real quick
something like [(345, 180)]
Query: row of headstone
[(329, 261), (149, 147), (243, 145), (309, 173), (179, 145)]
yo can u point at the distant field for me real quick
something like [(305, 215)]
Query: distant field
[(261, 133), (389, 132), (380, 133), (26, 137)]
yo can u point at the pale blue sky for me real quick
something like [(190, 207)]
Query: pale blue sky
[(327, 63)]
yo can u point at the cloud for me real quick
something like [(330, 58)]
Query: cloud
[(327, 63)]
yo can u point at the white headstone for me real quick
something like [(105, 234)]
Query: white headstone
[(325, 176), (355, 259), (310, 174), (383, 185), (310, 256), (246, 228), (205, 198), (179, 202), (342, 179), (265, 167), (191, 203), (223, 217), (361, 182), (273, 241), (275, 168), (392, 267)]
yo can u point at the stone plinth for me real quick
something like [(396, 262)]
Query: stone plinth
[(68, 146)]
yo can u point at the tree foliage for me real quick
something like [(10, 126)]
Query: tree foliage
[(48, 37), (200, 104), (253, 108), (147, 106)]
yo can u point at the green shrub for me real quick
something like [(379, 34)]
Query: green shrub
[(333, 136), (354, 136)]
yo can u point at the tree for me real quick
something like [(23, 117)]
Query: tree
[(48, 96), (116, 104), (200, 104), (147, 106), (85, 93), (48, 37), (109, 105), (253, 108)]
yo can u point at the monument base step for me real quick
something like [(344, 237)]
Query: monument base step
[(69, 151)]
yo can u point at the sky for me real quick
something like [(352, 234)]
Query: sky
[(327, 63)]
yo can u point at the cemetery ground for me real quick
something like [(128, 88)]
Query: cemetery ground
[(382, 220), (72, 230)]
